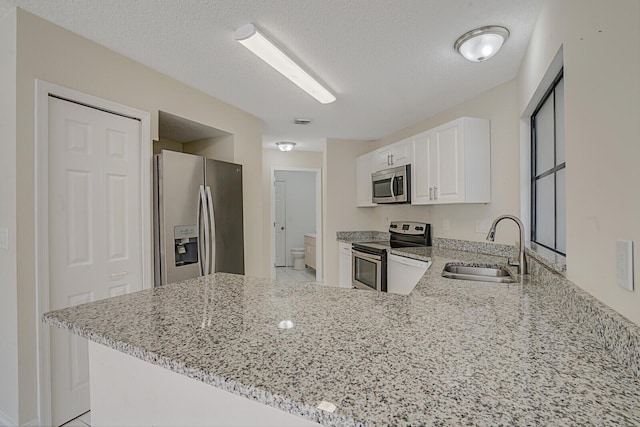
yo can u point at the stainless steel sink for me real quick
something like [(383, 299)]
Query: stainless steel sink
[(477, 273)]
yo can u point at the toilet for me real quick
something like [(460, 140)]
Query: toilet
[(298, 258)]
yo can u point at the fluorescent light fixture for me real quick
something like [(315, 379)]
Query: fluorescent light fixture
[(249, 36), (482, 43), (285, 145)]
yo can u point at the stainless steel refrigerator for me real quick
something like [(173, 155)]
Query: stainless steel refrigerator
[(197, 217)]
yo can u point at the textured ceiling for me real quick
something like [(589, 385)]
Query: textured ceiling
[(390, 63)]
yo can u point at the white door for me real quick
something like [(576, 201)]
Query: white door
[(450, 170), (95, 231), (280, 224), (421, 185)]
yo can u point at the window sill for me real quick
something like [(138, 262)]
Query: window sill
[(548, 258)]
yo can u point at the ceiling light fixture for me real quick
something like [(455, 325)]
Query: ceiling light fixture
[(482, 43), (285, 145), (249, 36)]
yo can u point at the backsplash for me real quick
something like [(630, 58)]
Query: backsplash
[(496, 249), (360, 236)]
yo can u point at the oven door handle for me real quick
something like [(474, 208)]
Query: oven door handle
[(391, 182), (363, 255)]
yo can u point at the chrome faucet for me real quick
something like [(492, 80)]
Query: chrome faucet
[(522, 264)]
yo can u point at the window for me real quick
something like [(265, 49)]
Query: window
[(548, 170)]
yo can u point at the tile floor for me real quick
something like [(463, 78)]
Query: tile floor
[(288, 274), (83, 420)]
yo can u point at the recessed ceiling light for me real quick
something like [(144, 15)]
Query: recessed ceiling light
[(249, 36), (482, 43)]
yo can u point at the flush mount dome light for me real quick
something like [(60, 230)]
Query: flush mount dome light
[(482, 43), (285, 145)]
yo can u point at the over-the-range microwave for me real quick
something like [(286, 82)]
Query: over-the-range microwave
[(392, 185)]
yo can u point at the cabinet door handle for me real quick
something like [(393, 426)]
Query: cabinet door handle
[(435, 193), (391, 159), (430, 193)]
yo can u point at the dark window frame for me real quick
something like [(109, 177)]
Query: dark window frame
[(550, 93)]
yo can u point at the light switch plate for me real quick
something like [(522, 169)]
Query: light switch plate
[(4, 238), (624, 264)]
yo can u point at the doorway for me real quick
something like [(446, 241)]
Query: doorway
[(281, 223), (85, 147), (297, 237)]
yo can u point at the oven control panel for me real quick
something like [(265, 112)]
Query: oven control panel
[(416, 228)]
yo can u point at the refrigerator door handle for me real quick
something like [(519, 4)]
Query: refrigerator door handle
[(203, 259), (211, 245), (198, 214)]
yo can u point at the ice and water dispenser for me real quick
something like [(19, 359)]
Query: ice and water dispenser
[(186, 244)]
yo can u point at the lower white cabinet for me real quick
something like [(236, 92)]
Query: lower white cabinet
[(452, 163), (345, 264), (364, 168), (310, 251)]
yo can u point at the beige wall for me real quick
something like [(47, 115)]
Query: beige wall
[(499, 106), (602, 110), (340, 212), (8, 266), (218, 148), (546, 41), (274, 159), (51, 53), (602, 97), (166, 144)]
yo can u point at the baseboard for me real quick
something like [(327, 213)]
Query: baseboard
[(5, 421)]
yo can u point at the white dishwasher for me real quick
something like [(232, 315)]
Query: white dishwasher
[(404, 273)]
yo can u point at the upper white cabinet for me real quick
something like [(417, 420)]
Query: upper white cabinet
[(452, 163), (397, 154), (364, 168)]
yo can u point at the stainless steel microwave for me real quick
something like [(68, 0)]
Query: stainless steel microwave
[(392, 185)]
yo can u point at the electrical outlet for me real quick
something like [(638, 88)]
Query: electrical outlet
[(624, 264), (482, 225), (4, 238), (445, 224)]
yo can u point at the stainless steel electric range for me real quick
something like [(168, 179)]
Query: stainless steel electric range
[(369, 259)]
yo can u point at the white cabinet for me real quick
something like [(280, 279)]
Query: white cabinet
[(397, 154), (452, 163), (310, 251), (345, 264), (364, 168)]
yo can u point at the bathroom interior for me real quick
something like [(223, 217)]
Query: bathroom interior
[(295, 226)]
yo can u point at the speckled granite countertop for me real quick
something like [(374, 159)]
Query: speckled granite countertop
[(450, 353)]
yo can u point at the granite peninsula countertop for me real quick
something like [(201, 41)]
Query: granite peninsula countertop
[(450, 353)]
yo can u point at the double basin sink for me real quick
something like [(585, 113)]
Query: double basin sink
[(477, 273)]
